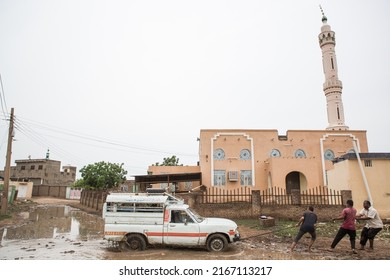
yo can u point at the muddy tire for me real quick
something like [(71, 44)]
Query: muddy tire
[(217, 243), (135, 242)]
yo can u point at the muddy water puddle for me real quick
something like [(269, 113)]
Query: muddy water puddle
[(52, 232)]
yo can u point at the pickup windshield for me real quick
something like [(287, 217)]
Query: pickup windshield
[(195, 215)]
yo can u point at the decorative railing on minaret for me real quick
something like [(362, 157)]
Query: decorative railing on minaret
[(332, 85)]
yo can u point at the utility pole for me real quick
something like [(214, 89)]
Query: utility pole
[(7, 171)]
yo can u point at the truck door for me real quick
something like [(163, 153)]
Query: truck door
[(181, 229)]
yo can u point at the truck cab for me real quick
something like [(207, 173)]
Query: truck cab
[(137, 220)]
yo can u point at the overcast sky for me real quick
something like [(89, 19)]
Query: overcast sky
[(135, 81)]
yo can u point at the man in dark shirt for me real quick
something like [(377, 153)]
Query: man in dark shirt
[(308, 224)]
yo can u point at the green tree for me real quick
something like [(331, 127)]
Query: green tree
[(101, 175), (80, 183), (169, 161)]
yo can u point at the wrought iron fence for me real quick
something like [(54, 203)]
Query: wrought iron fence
[(219, 195), (274, 196), (321, 196)]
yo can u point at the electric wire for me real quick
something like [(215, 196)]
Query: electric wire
[(2, 99), (43, 142), (26, 128), (3, 139), (102, 140)]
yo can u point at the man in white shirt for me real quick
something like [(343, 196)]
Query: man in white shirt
[(372, 227)]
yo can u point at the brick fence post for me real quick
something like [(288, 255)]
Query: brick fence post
[(345, 195), (296, 197), (94, 199), (81, 197), (98, 200), (85, 198), (90, 197), (256, 207)]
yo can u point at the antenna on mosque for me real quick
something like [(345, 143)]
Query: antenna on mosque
[(324, 19)]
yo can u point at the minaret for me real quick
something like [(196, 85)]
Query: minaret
[(332, 85)]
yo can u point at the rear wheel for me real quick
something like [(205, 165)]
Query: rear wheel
[(134, 242), (217, 243)]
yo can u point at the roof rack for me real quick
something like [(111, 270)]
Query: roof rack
[(155, 191), (172, 199)]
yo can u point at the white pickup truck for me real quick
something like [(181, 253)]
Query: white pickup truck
[(134, 221)]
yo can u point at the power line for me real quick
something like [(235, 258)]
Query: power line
[(2, 100), (102, 140), (3, 139), (26, 128), (41, 141)]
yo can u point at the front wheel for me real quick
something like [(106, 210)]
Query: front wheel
[(217, 243), (134, 242)]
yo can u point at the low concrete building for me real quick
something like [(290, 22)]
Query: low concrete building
[(367, 175), (43, 172), (45, 175)]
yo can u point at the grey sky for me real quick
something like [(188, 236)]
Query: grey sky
[(134, 81)]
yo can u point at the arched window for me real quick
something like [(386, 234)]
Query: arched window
[(245, 154), (300, 153), (275, 153), (219, 154), (329, 154)]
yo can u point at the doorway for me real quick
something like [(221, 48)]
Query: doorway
[(295, 181)]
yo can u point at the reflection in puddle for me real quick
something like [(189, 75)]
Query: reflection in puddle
[(74, 228), (53, 232), (74, 231), (53, 222)]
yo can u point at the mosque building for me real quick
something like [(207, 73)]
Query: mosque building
[(263, 159)]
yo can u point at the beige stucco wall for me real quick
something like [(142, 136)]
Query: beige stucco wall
[(347, 175), (155, 170), (266, 169), (308, 167)]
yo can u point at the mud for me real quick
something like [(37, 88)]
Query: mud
[(64, 232)]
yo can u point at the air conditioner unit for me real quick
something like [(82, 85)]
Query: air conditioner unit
[(233, 175)]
